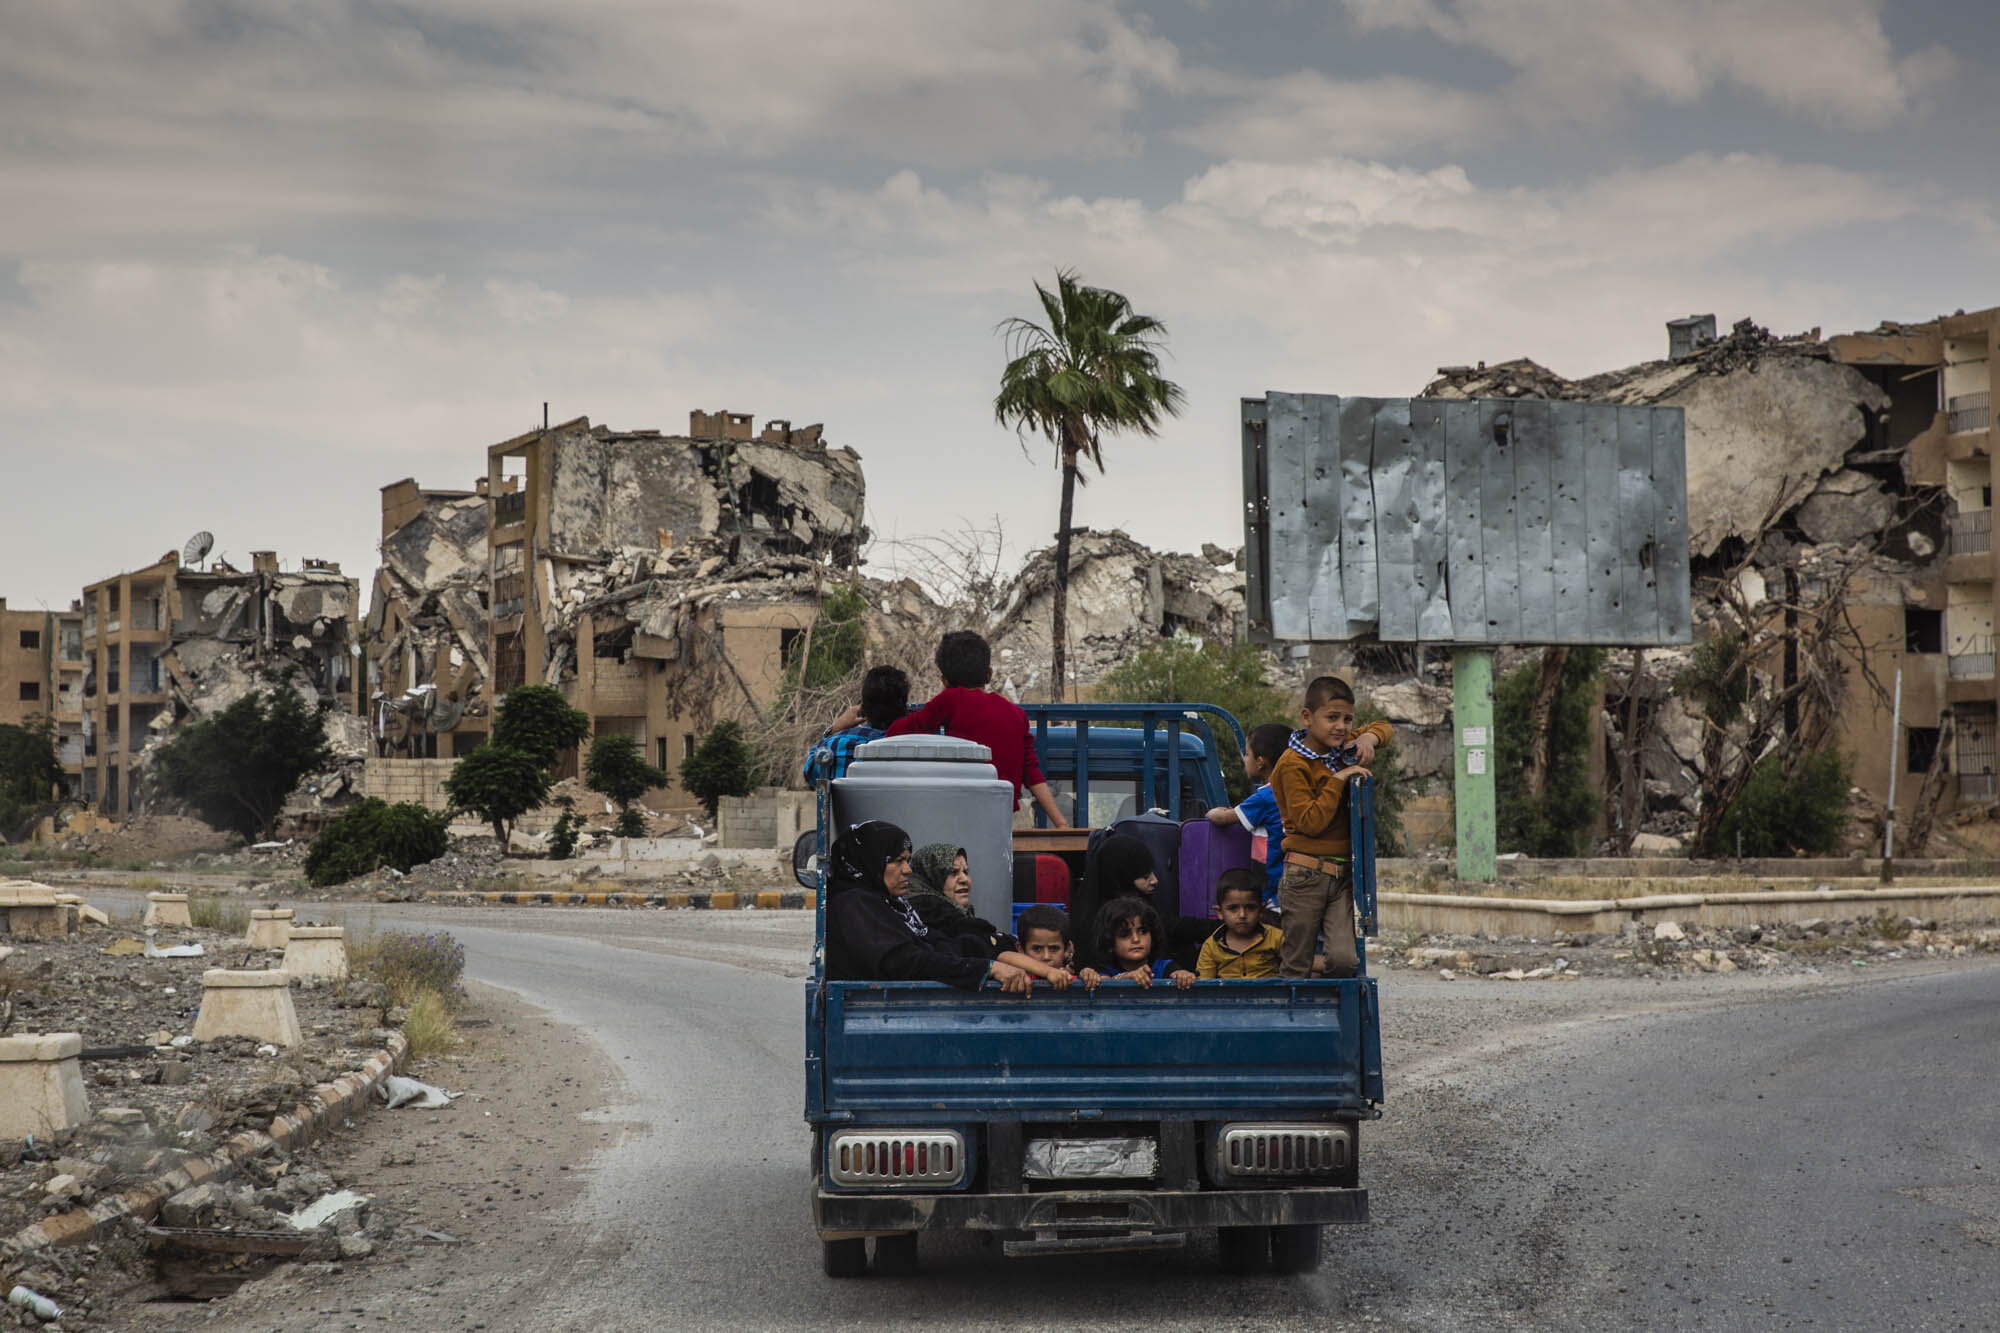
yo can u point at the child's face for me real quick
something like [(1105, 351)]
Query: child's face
[(1146, 883), (1239, 910), (1329, 724), (1135, 943), (1044, 946), (1254, 767)]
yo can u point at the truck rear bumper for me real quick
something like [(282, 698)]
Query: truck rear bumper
[(837, 1216)]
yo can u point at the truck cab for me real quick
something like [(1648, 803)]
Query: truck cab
[(1087, 1121)]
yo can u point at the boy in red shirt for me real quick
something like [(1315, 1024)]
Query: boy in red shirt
[(965, 708)]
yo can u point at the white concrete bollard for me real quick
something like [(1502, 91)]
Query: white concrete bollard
[(167, 909), (319, 952), (268, 927), (41, 1086), (247, 1004)]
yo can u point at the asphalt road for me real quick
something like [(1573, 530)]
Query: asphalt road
[(1725, 1153)]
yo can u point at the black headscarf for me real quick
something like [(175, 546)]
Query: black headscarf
[(860, 854), (875, 935), (1119, 862)]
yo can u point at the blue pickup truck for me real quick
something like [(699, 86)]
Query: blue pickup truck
[(1077, 1122)]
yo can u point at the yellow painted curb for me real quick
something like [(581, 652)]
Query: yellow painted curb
[(724, 901)]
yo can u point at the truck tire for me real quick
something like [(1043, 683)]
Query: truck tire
[(844, 1258), (1244, 1250), (896, 1256), (1295, 1249)]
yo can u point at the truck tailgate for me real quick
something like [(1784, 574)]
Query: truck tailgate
[(1237, 1046)]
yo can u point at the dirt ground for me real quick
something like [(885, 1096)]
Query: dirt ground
[(451, 1194)]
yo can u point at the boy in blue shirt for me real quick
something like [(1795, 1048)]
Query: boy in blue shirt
[(885, 698), (1260, 809)]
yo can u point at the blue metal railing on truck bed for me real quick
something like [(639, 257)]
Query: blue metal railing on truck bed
[(1160, 728)]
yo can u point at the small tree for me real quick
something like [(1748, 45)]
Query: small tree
[(1555, 821), (372, 834), (499, 785), (237, 767), (29, 772), (1184, 669), (719, 767), (538, 722), (1803, 814), (509, 775), (617, 769)]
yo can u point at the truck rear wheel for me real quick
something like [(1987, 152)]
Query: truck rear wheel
[(1295, 1249), (896, 1256), (844, 1258), (1244, 1250)]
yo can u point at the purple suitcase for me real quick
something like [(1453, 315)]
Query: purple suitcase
[(1206, 851)]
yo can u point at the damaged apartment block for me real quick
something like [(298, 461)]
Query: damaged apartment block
[(1864, 458), (658, 580), (180, 639)]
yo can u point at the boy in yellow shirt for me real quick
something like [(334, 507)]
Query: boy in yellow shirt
[(1309, 781), (1242, 946)]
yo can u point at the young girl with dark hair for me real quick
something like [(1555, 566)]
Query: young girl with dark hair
[(1132, 945)]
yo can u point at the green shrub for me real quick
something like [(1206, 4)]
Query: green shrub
[(631, 823), (1776, 815), (620, 771), (538, 722), (373, 834), (499, 785), (1185, 669), (237, 767), (719, 767), (562, 838)]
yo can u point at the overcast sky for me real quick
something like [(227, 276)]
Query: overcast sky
[(259, 259)]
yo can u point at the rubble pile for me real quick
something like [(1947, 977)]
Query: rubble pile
[(1123, 597), (1670, 950)]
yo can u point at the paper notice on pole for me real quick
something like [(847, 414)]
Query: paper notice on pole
[(1472, 735), (1475, 762)]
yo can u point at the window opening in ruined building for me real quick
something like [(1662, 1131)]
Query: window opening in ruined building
[(31, 638), (1921, 745), (687, 745), (31, 691), (787, 641), (1923, 631), (660, 747)]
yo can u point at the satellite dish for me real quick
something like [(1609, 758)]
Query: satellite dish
[(198, 548)]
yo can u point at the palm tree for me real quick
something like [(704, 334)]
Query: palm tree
[(1092, 369)]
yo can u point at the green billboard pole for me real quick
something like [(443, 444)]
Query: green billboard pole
[(1472, 768)]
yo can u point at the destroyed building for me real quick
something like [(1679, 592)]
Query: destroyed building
[(1123, 598), (662, 582), (427, 631), (1868, 454), (180, 639)]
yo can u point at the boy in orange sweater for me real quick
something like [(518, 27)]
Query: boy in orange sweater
[(1310, 783)]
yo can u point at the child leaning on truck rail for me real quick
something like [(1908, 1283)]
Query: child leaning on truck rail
[(1133, 946), (1309, 781), (1043, 931), (1242, 946), (1259, 809)]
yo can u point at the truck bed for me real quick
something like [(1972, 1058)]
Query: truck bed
[(920, 1052)]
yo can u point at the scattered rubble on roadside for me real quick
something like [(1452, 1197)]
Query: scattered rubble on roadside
[(1670, 950), (158, 1096)]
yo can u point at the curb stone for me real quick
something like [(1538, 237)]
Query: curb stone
[(327, 1105), (721, 900)]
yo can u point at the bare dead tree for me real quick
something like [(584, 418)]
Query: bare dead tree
[(1541, 713), (1931, 793), (1631, 783)]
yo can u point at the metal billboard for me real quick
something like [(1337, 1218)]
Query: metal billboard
[(1475, 521)]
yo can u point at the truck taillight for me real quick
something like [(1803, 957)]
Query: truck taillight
[(917, 1159), (1282, 1150)]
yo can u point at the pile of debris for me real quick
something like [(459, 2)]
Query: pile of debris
[(1123, 598), (427, 619)]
